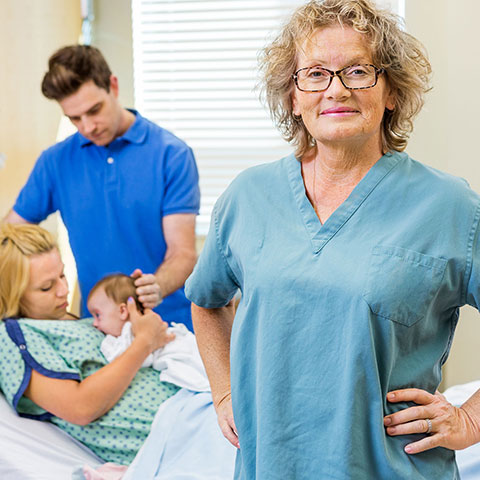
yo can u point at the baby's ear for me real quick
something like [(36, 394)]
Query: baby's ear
[(124, 315)]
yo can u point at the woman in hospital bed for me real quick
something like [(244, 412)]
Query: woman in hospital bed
[(51, 367)]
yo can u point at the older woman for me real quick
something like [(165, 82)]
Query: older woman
[(53, 369), (352, 260)]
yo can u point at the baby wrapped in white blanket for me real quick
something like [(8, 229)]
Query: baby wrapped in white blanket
[(179, 361)]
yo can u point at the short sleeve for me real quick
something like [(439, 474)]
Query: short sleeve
[(182, 193), (212, 283), (25, 349), (12, 367), (35, 201), (473, 264)]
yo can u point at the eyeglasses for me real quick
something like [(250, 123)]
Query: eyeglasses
[(353, 77)]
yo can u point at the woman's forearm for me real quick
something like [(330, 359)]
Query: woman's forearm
[(472, 407), (85, 401), (213, 327), (102, 390)]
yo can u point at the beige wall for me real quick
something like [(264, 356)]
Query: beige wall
[(33, 30), (112, 34), (30, 31), (447, 132)]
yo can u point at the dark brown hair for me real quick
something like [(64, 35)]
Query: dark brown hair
[(118, 287), (70, 67)]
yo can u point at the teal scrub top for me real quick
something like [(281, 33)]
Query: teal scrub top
[(334, 316), (71, 350)]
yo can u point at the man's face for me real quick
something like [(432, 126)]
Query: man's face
[(95, 112)]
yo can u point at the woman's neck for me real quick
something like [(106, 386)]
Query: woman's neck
[(330, 175), (343, 164)]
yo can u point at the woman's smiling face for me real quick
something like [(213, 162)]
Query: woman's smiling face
[(46, 294), (339, 116)]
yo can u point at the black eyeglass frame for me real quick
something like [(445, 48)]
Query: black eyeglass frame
[(336, 73)]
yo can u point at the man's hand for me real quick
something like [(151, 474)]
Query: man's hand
[(147, 289)]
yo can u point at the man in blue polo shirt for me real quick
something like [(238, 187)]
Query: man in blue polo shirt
[(127, 190)]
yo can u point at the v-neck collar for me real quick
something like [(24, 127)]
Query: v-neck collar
[(320, 234)]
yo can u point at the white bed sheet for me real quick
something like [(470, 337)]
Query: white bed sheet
[(33, 450)]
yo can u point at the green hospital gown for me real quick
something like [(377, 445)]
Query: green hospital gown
[(71, 350)]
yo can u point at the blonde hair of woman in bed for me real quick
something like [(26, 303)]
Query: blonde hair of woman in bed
[(17, 245), (22, 247)]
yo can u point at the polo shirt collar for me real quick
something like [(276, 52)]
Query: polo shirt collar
[(135, 134)]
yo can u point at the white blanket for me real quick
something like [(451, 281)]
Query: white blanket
[(179, 361), (185, 443)]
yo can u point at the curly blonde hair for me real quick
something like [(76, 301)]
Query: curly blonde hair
[(17, 244), (402, 56)]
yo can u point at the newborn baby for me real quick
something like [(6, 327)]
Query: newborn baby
[(179, 361)]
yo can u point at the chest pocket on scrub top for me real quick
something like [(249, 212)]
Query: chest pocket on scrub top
[(401, 283)]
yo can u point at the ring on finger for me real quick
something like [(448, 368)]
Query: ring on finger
[(429, 426)]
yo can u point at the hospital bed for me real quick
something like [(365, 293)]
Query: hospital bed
[(184, 442), (33, 450)]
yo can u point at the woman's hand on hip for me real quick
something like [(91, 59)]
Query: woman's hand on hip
[(446, 425), (225, 419), (149, 326)]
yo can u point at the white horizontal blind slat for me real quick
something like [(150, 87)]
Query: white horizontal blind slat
[(195, 69), (195, 75)]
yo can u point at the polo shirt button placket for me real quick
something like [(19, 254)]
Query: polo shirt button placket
[(111, 173)]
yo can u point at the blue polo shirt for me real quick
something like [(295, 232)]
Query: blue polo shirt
[(112, 200)]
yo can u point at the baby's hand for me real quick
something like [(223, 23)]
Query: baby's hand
[(149, 326)]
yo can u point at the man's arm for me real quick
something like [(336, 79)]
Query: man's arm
[(180, 258), (13, 217), (181, 255)]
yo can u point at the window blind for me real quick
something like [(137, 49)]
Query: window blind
[(195, 67), (195, 72)]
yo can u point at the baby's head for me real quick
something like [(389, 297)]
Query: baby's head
[(107, 302)]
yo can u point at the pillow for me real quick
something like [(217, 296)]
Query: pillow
[(34, 450)]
